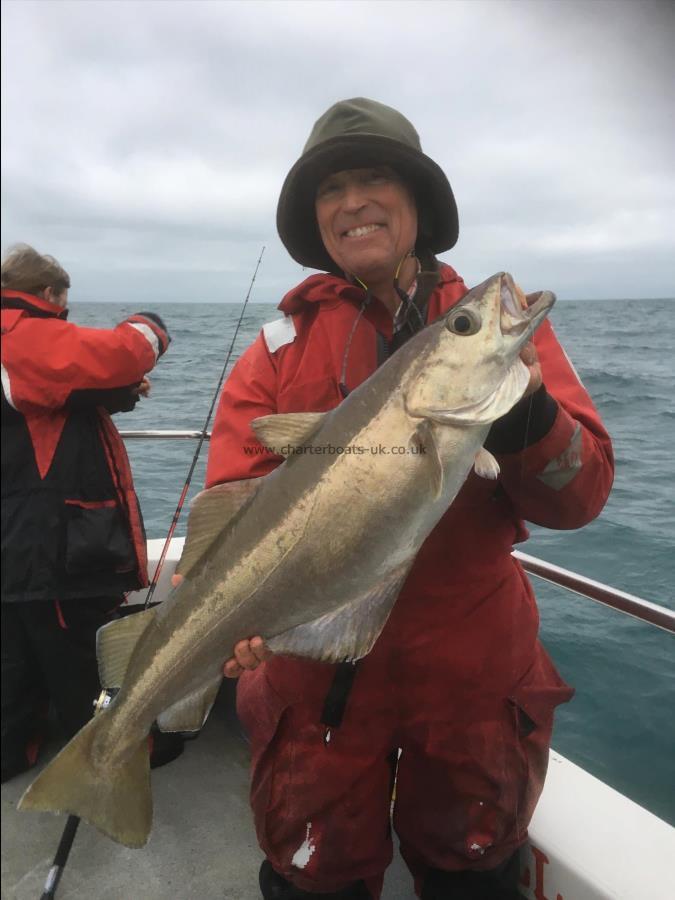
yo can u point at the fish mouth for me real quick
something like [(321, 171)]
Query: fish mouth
[(521, 315)]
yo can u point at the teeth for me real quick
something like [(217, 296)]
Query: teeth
[(363, 229)]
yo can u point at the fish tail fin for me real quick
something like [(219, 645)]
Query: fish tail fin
[(116, 800)]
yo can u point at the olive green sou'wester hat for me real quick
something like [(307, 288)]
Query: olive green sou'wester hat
[(355, 134)]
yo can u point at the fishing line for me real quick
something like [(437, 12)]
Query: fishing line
[(344, 390), (405, 301), (202, 438), (529, 417), (527, 434)]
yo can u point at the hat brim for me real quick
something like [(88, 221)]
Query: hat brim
[(296, 216)]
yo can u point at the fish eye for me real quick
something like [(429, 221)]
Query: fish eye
[(463, 322)]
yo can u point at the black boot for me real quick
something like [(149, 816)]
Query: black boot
[(275, 887), (166, 746), (494, 884)]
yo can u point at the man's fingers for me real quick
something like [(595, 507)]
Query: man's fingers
[(232, 669), (529, 354), (245, 656), (248, 654), (530, 357), (259, 649)]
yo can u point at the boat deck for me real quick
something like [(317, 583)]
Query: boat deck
[(202, 845)]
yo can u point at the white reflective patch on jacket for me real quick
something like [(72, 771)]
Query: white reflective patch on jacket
[(571, 365), (569, 361), (278, 333), (561, 470), (7, 387), (149, 335)]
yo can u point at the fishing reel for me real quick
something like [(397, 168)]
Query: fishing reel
[(104, 699)]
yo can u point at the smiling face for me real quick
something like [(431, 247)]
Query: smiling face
[(368, 222)]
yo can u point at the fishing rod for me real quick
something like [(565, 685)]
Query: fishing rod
[(202, 438), (72, 823)]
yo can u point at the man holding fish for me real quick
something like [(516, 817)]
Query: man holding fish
[(456, 698), (413, 455)]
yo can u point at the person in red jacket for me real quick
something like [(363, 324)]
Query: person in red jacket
[(455, 702), (73, 540)]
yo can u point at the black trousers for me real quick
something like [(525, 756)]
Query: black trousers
[(48, 657)]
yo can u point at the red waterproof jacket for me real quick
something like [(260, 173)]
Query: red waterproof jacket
[(465, 590), (71, 524)]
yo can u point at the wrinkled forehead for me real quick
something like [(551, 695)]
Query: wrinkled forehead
[(358, 172), (363, 176), (351, 159)]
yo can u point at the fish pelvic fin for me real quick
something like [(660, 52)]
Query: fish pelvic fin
[(486, 465), (115, 643), (191, 712), (117, 801), (211, 511), (349, 632)]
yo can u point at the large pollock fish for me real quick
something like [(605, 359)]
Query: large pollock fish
[(312, 556)]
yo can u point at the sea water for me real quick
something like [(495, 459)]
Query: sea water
[(620, 726)]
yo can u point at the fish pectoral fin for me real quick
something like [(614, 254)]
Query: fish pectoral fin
[(191, 711), (348, 632), (115, 642), (486, 465), (423, 441), (210, 512), (279, 432)]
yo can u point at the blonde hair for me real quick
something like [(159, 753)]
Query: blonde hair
[(24, 269)]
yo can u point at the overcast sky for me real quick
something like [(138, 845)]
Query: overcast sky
[(144, 143)]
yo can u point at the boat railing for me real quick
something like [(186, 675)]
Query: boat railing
[(163, 435), (645, 610), (653, 613)]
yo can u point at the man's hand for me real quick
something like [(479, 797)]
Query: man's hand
[(143, 388), (530, 357), (529, 352), (248, 654)]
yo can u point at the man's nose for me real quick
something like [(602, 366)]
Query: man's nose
[(353, 198)]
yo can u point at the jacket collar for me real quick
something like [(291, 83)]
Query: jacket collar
[(331, 289), (32, 304)]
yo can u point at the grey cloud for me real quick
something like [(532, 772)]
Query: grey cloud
[(160, 133)]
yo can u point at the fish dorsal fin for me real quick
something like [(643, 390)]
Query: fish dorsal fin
[(190, 712), (286, 430), (210, 512), (115, 642), (348, 632)]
